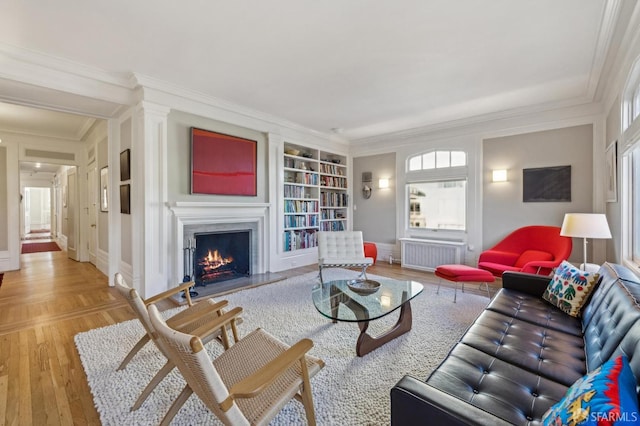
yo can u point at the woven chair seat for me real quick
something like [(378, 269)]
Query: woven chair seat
[(247, 356), (250, 382)]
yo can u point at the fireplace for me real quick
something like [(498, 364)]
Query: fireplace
[(221, 256), (196, 218)]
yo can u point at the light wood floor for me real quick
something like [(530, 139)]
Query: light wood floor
[(45, 304)]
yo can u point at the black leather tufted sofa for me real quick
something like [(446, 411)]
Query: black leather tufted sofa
[(521, 354)]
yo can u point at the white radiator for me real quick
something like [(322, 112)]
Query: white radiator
[(429, 254)]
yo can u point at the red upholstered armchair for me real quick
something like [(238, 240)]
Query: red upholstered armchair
[(532, 249)]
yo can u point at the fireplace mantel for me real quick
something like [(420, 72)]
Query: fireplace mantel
[(187, 213), (195, 209)]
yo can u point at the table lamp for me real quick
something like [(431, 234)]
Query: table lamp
[(585, 225)]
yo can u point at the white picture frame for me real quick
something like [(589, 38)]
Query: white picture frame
[(611, 170), (104, 189)]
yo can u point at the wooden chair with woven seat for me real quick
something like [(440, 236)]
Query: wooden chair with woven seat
[(248, 383), (191, 318)]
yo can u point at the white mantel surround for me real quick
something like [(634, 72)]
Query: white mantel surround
[(254, 215)]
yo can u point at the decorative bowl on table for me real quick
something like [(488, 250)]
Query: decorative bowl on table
[(361, 286)]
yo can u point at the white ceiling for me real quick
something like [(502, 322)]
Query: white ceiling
[(60, 125), (368, 67)]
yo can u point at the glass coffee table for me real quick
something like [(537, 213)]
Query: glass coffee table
[(362, 301)]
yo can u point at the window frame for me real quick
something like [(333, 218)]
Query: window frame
[(436, 153), (466, 203), (436, 175), (630, 154)]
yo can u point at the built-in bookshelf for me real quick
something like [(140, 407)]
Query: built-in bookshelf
[(334, 199), (314, 195)]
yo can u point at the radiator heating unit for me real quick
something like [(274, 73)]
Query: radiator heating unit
[(429, 254)]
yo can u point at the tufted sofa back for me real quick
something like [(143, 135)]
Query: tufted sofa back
[(611, 320)]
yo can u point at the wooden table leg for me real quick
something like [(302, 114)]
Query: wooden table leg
[(366, 343)]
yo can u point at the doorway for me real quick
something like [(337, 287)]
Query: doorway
[(37, 213)]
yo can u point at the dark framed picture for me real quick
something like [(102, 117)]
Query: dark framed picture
[(125, 199), (546, 184), (125, 165), (222, 164)]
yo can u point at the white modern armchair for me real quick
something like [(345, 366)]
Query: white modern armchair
[(342, 249)]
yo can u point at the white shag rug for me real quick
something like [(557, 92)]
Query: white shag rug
[(350, 390)]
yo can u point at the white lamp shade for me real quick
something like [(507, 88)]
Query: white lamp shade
[(383, 183), (585, 225)]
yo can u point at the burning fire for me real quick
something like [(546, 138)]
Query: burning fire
[(213, 261)]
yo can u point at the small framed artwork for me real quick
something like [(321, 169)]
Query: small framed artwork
[(223, 164), (611, 158), (125, 165), (125, 199), (546, 184), (104, 189)]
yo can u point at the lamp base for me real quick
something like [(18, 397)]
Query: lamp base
[(590, 267)]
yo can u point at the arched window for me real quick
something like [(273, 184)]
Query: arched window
[(437, 190), (437, 160)]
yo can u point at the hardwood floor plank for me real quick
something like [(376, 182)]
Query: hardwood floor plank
[(25, 410), (4, 395)]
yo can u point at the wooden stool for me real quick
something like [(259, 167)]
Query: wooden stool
[(463, 274)]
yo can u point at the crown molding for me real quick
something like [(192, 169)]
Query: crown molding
[(195, 102), (46, 71), (86, 127), (627, 52), (470, 124), (606, 33), (66, 66)]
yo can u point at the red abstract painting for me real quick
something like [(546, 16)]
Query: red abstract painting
[(222, 164)]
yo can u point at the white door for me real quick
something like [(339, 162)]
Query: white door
[(72, 214), (92, 197), (26, 201)]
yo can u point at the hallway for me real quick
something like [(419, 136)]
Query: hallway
[(42, 307)]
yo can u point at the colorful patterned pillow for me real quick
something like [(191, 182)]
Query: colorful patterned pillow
[(605, 396), (570, 288)]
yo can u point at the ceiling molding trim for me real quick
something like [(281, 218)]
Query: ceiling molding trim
[(570, 117), (43, 70), (605, 35), (627, 53), (470, 122), (194, 102), (30, 133), (86, 127)]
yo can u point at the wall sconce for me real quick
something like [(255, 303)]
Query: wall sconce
[(499, 175), (366, 182), (366, 192), (383, 183)]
